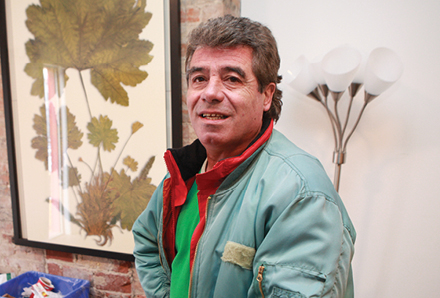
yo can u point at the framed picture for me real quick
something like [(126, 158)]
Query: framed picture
[(92, 96)]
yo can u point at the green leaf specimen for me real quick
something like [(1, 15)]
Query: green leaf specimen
[(100, 35), (102, 133), (131, 198), (130, 163)]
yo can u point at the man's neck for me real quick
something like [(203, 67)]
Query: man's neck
[(214, 156)]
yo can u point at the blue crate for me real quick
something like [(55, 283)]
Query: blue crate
[(69, 287)]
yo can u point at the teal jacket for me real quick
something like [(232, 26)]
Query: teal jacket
[(275, 227)]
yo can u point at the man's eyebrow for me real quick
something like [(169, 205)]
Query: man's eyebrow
[(192, 70), (237, 70)]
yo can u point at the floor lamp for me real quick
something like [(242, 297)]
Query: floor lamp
[(342, 70)]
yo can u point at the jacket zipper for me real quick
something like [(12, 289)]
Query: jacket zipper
[(260, 279), (160, 257), (197, 248), (161, 260)]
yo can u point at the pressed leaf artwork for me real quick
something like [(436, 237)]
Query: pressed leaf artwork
[(102, 38)]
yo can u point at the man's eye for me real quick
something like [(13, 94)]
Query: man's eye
[(198, 79), (233, 79)]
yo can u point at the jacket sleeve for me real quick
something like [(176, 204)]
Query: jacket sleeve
[(154, 278), (306, 249)]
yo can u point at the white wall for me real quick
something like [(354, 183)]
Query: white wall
[(391, 181)]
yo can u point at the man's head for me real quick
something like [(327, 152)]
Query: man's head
[(230, 32)]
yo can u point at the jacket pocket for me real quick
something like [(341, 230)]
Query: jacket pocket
[(281, 293), (285, 281)]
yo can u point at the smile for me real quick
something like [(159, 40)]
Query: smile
[(213, 116)]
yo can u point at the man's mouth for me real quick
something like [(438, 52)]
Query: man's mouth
[(214, 116)]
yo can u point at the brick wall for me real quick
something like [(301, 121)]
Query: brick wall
[(108, 278)]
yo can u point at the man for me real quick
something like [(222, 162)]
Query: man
[(242, 212)]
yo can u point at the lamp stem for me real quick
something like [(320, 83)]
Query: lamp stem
[(338, 125), (320, 93), (355, 125), (332, 123), (348, 115), (338, 160), (336, 97), (337, 176)]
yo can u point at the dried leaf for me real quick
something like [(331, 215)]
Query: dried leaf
[(95, 212), (74, 135), (130, 198), (147, 168), (40, 121), (131, 163), (102, 133), (100, 35), (136, 126), (40, 143), (74, 177)]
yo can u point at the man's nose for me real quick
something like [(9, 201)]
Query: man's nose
[(214, 90)]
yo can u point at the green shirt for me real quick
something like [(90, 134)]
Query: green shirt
[(186, 223)]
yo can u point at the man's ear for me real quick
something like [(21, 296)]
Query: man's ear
[(268, 92)]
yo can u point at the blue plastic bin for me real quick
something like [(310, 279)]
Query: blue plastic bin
[(69, 287)]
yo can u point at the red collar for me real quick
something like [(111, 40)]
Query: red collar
[(211, 180)]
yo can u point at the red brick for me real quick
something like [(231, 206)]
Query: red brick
[(59, 255), (54, 269), (112, 282)]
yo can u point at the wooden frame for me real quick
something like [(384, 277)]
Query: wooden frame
[(52, 182)]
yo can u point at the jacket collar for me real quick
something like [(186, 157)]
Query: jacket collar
[(189, 159)]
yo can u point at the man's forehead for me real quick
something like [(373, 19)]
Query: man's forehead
[(223, 59)]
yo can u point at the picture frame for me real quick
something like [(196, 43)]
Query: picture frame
[(90, 108)]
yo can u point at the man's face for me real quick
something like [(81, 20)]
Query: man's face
[(224, 104)]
